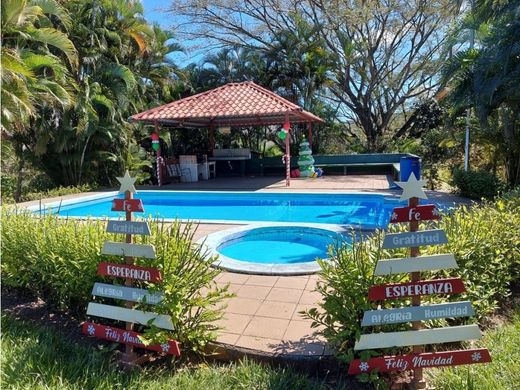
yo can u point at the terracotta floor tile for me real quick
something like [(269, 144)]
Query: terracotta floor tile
[(232, 277), (233, 288), (300, 307), (227, 338), (284, 295), (300, 331), (234, 323), (254, 292), (311, 284), (310, 298), (276, 309), (238, 305), (295, 282), (271, 328), (258, 343), (262, 280)]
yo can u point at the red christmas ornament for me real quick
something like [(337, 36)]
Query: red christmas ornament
[(286, 126)]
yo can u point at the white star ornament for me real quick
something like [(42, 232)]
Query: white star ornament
[(412, 188), (127, 183)]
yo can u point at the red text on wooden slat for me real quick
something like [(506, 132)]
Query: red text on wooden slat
[(419, 213), (129, 271), (420, 360), (411, 289), (135, 205), (128, 337)]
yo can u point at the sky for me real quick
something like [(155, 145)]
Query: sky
[(154, 11)]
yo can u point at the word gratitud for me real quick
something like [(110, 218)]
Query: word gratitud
[(417, 239), (125, 228)]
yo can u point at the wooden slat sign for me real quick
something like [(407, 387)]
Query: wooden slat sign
[(410, 289), (129, 315), (415, 264), (124, 249), (128, 205), (420, 360), (128, 337), (413, 239), (419, 213), (126, 293), (128, 227), (417, 313), (129, 271), (418, 337)]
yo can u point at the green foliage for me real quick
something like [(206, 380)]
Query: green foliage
[(138, 163), (503, 373), (346, 278), (485, 78), (8, 190), (484, 240), (57, 259), (41, 358), (476, 184)]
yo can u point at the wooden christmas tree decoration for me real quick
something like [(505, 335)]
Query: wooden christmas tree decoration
[(414, 265), (129, 272)]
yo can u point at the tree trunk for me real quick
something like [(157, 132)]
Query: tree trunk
[(511, 135)]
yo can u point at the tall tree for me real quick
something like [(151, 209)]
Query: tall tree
[(487, 77), (386, 53)]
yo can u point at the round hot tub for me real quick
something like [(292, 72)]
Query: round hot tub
[(273, 250)]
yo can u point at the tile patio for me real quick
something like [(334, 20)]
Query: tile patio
[(265, 316)]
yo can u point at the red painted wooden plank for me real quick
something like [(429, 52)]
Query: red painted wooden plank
[(130, 272), (128, 337), (135, 205), (420, 360), (424, 287), (419, 213)]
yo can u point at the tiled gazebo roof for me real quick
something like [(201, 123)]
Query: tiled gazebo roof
[(234, 104)]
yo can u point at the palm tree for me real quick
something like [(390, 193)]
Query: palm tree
[(34, 77)]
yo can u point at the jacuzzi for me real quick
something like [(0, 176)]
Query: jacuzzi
[(274, 249)]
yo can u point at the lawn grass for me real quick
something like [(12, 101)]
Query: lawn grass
[(503, 373), (38, 358)]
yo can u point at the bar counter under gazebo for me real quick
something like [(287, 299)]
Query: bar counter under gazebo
[(231, 105)]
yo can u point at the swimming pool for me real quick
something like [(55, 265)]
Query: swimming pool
[(274, 249), (359, 209)]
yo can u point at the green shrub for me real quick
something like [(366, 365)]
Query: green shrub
[(57, 259), (485, 240), (476, 184), (7, 193)]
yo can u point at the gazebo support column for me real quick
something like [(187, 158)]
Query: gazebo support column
[(158, 160), (288, 159), (287, 152)]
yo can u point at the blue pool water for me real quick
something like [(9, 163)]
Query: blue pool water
[(367, 210), (281, 245)]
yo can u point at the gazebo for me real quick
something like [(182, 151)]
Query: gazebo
[(231, 105)]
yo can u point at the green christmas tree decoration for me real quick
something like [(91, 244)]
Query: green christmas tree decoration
[(305, 160)]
